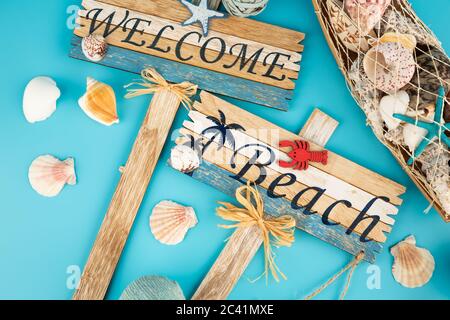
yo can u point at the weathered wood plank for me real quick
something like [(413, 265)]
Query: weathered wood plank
[(239, 251), (117, 39), (128, 196), (242, 89), (319, 128), (177, 31), (335, 235), (250, 29), (340, 214), (337, 166), (334, 187)]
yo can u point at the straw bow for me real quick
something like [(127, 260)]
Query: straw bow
[(153, 82), (281, 228)]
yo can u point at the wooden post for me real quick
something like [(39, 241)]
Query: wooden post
[(127, 199), (245, 242)]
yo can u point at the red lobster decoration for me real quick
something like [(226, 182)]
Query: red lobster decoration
[(301, 156)]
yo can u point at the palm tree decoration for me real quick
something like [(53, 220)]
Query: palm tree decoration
[(221, 130), (194, 144)]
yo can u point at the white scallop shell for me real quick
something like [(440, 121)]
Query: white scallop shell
[(184, 159), (39, 99), (413, 267), (413, 135), (391, 104), (48, 175), (171, 221), (389, 66)]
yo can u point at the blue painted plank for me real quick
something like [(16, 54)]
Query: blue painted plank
[(312, 224), (176, 72)]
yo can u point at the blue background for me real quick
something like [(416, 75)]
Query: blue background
[(40, 238)]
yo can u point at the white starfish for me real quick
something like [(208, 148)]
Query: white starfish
[(201, 14)]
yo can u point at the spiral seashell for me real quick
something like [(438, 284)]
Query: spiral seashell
[(39, 99), (170, 222), (389, 65), (94, 47), (184, 159), (48, 175), (99, 102), (413, 267)]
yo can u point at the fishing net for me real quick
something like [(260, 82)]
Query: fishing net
[(397, 71)]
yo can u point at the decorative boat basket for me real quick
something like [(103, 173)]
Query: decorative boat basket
[(399, 75)]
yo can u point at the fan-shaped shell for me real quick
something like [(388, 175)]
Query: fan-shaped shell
[(171, 221), (390, 66), (39, 99), (413, 267), (184, 159), (48, 175), (99, 102)]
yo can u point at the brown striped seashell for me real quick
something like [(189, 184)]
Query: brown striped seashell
[(413, 267), (171, 221), (48, 175), (99, 102)]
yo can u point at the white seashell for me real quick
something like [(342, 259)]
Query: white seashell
[(391, 104), (39, 99), (94, 47), (413, 267), (413, 135), (170, 222), (48, 175), (184, 159), (390, 66)]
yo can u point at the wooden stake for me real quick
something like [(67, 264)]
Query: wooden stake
[(127, 199), (245, 242)]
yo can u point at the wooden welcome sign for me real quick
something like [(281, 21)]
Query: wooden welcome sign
[(240, 58), (341, 203)]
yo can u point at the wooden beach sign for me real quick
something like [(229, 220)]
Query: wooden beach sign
[(236, 57), (341, 203), (241, 58)]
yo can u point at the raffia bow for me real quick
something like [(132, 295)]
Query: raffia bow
[(153, 82), (281, 228)]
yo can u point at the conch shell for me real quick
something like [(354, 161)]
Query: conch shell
[(99, 102), (171, 221), (413, 267), (48, 175), (390, 64)]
